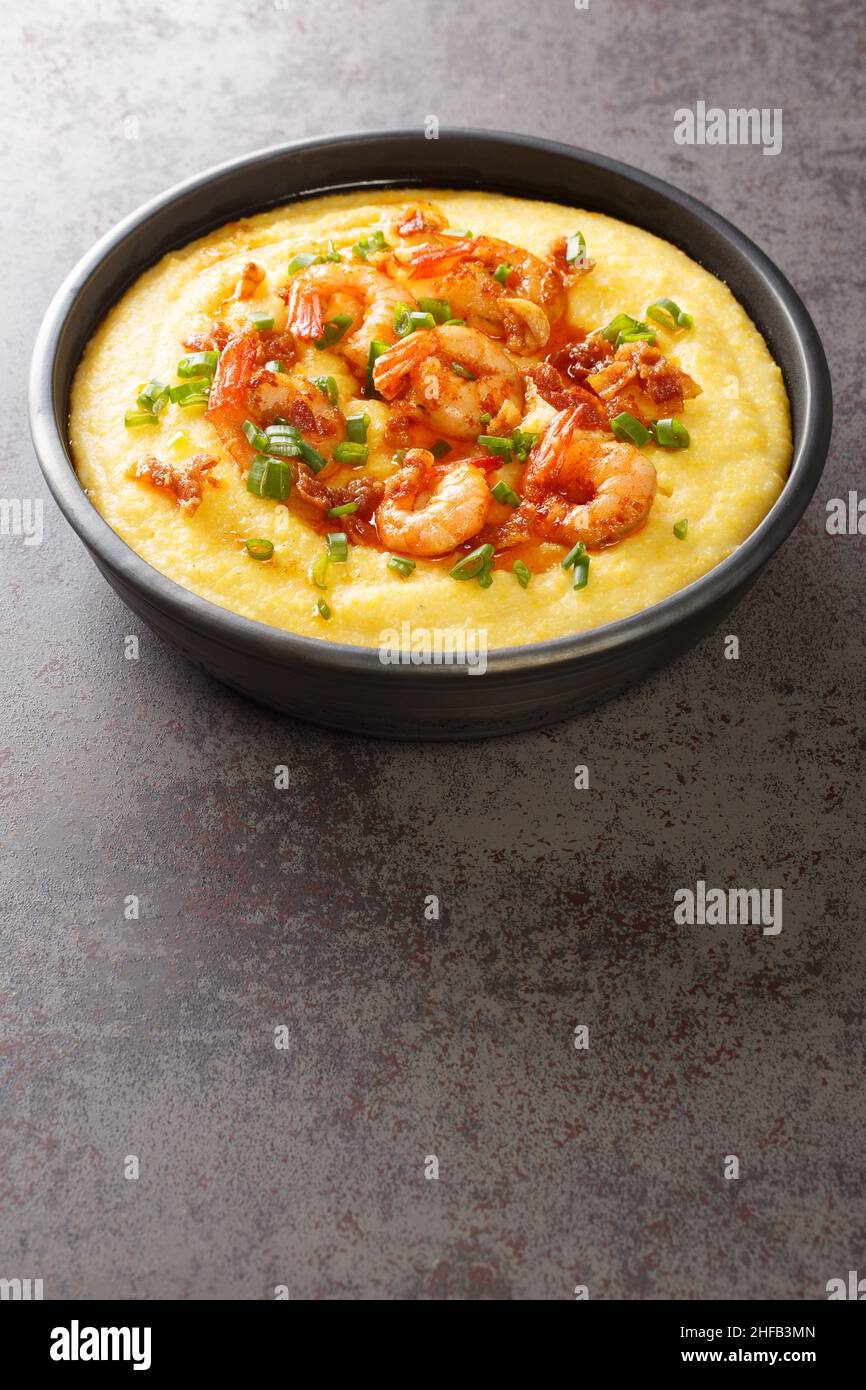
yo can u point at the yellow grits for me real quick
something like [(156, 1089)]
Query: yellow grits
[(724, 483)]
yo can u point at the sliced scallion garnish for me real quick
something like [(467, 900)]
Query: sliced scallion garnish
[(255, 436), (348, 452), (505, 494), (440, 449), (497, 444), (154, 397), (522, 573), (401, 565), (630, 430), (338, 547), (671, 433), (334, 330), (523, 441), (134, 419), (260, 549), (323, 609), (580, 578), (576, 553), (681, 528), (198, 364), (575, 248), (344, 509), (269, 477), (625, 329), (669, 314), (475, 565), (356, 427), (502, 272), (377, 347), (439, 308), (328, 387), (260, 321)]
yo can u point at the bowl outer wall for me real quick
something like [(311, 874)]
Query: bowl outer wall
[(558, 670)]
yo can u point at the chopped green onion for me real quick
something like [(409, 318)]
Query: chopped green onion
[(630, 430), (328, 257), (300, 262), (334, 330), (275, 366), (454, 231), (198, 364), (463, 371), (681, 529), (476, 565), (261, 321), (338, 547), (368, 245), (485, 418), (671, 434), (319, 570), (573, 556), (440, 449), (377, 347), (312, 458), (453, 323), (323, 609), (345, 509), (189, 393), (347, 452), (439, 308), (400, 565), (669, 314), (134, 419), (283, 441), (522, 573), (154, 397), (255, 436), (523, 441), (580, 578), (406, 320), (400, 320), (399, 456), (505, 494), (260, 549), (502, 272), (496, 444), (575, 248), (328, 387), (269, 477), (356, 427), (624, 329)]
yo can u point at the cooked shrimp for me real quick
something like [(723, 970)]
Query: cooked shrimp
[(242, 390), (417, 218), (519, 308), (430, 509), (320, 292), (586, 487), (451, 376)]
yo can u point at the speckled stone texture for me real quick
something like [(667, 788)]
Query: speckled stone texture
[(305, 907)]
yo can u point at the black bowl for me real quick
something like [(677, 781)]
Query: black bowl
[(347, 687)]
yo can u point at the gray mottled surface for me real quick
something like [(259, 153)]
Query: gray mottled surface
[(408, 1038)]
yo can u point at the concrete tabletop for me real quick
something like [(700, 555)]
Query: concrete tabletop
[(285, 1038)]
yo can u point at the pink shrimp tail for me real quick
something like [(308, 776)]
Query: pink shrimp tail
[(425, 262), (305, 317), (232, 378), (394, 366)]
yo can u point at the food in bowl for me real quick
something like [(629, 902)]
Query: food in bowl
[(441, 408)]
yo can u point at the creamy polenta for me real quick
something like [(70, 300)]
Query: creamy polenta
[(413, 410)]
